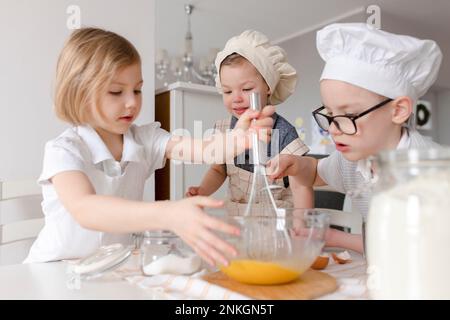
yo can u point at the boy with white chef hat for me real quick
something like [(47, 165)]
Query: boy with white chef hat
[(369, 86)]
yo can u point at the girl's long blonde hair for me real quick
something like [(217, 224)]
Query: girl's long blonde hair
[(87, 63)]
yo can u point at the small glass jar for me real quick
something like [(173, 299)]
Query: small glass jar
[(408, 225), (164, 252)]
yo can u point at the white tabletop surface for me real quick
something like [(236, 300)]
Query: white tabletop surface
[(49, 281)]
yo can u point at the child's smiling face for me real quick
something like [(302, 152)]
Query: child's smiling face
[(376, 130), (120, 102), (238, 80)]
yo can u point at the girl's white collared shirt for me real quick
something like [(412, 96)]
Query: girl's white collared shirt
[(82, 149)]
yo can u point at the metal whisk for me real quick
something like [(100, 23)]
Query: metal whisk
[(263, 239)]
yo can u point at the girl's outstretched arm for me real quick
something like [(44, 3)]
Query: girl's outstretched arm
[(117, 215), (223, 147)]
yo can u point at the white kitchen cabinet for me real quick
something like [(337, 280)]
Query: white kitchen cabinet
[(195, 108)]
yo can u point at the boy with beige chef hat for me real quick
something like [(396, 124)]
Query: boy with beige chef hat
[(249, 63)]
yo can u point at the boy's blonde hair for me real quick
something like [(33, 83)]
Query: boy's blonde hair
[(233, 60), (87, 63)]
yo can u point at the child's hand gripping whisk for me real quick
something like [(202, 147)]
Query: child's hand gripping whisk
[(264, 234)]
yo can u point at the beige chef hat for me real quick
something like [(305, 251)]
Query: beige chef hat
[(269, 60)]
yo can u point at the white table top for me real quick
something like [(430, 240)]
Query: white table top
[(49, 281), (351, 279)]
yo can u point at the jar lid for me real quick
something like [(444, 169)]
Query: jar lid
[(414, 156), (106, 258), (159, 234)]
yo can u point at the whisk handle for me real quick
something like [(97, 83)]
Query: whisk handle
[(255, 101)]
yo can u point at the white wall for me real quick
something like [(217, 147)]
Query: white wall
[(395, 24), (443, 106), (33, 33), (433, 133)]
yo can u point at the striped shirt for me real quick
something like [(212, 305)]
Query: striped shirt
[(352, 178)]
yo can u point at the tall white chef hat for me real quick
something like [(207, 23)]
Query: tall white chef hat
[(385, 63)]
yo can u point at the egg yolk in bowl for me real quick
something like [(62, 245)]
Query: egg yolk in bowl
[(259, 272)]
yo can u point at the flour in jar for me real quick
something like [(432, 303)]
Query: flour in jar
[(408, 235), (173, 264)]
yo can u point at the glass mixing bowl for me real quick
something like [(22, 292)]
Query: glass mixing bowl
[(275, 250)]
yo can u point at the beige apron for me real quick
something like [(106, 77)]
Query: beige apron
[(240, 180)]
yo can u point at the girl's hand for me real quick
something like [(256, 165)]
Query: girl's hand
[(187, 219), (262, 125), (283, 165), (193, 191)]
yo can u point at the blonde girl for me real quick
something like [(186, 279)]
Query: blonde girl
[(94, 172)]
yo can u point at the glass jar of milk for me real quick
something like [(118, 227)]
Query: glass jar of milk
[(408, 226)]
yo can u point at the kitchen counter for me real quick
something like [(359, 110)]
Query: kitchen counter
[(49, 281)]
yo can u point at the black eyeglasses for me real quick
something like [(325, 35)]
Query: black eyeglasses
[(345, 124)]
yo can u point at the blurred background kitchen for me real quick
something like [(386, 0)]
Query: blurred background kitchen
[(187, 37)]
